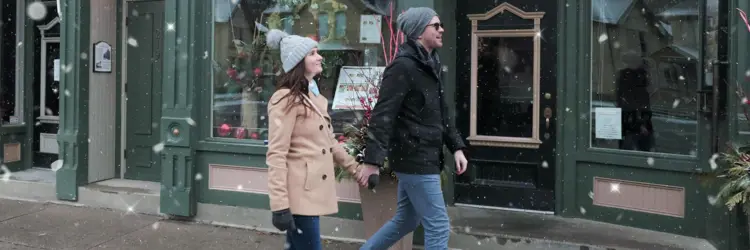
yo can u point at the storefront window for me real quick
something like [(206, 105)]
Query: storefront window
[(245, 70), (646, 70), (10, 90)]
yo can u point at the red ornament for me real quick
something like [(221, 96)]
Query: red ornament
[(342, 138), (224, 130), (232, 73), (254, 135), (240, 133), (257, 72)]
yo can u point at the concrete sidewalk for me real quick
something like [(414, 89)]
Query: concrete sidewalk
[(28, 225)]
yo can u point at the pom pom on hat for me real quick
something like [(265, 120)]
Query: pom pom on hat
[(273, 38)]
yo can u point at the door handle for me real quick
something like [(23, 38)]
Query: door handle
[(547, 116)]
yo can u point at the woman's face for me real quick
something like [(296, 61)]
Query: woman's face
[(313, 63)]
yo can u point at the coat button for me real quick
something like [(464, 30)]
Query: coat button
[(329, 125), (324, 151), (321, 127), (330, 150), (325, 177)]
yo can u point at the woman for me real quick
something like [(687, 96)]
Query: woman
[(302, 149)]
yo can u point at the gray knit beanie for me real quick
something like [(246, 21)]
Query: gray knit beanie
[(414, 21), (293, 48)]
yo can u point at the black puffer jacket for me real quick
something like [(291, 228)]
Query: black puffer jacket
[(410, 122)]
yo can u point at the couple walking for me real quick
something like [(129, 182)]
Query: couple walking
[(410, 125)]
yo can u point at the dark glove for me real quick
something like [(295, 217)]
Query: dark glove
[(283, 220)]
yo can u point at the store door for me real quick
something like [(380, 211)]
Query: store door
[(507, 102), (145, 22)]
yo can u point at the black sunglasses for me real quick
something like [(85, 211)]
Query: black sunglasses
[(437, 26)]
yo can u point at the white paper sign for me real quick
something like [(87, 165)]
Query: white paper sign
[(102, 57), (355, 84), (56, 69), (608, 123), (369, 28)]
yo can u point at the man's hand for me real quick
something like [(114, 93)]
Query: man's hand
[(364, 174), (461, 162)]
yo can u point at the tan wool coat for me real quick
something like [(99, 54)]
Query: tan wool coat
[(301, 154)]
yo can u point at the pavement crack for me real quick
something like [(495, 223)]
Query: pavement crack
[(44, 207), (24, 245)]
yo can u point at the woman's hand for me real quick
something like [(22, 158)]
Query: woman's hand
[(364, 174)]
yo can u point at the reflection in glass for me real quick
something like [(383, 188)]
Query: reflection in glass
[(245, 70), (505, 70), (646, 62)]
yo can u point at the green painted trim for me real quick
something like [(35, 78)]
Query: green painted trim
[(183, 66), (73, 134), (231, 146), (28, 84), (119, 9), (569, 37)]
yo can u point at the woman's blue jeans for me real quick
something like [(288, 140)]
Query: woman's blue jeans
[(307, 235)]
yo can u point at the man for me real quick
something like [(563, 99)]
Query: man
[(410, 124)]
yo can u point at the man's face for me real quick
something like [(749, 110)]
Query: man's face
[(432, 37)]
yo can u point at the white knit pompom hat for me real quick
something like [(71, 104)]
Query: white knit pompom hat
[(293, 48)]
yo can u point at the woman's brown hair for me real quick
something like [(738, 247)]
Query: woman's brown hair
[(297, 83)]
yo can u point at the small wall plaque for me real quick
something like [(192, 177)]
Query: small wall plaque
[(102, 57)]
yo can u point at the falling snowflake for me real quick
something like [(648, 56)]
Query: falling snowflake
[(198, 177), (712, 200), (205, 54), (158, 147), (36, 11), (239, 187), (650, 161), (170, 26), (84, 56), (603, 38), (712, 161), (299, 231), (66, 68), (190, 121), (591, 194), (545, 164), (132, 42), (675, 103), (155, 226), (583, 210), (56, 165), (614, 187), (6, 173), (619, 217)]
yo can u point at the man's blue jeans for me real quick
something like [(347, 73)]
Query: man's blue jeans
[(420, 199), (307, 235)]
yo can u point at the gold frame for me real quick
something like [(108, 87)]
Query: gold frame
[(505, 141)]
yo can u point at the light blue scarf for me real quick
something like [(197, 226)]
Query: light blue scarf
[(314, 88)]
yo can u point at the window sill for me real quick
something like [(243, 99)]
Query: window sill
[(222, 145), (502, 141)]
